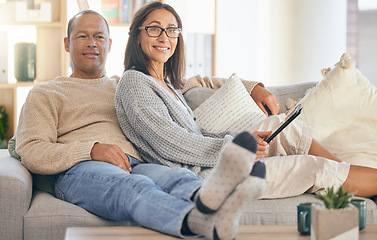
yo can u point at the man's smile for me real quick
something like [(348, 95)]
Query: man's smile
[(90, 54)]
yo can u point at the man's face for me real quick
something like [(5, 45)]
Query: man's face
[(88, 46)]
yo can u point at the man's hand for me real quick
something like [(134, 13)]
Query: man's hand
[(110, 154), (264, 98), (262, 145)]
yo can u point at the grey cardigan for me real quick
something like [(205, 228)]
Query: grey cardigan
[(161, 130)]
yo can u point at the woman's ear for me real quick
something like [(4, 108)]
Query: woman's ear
[(138, 39)]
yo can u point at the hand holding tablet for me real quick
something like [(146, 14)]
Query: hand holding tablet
[(288, 120)]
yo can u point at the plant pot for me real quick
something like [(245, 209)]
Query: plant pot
[(332, 223)]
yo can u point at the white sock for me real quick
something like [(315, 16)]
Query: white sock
[(224, 223), (236, 161)]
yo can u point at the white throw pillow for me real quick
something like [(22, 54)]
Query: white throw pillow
[(229, 108), (342, 108)]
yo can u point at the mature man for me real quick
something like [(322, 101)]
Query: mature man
[(68, 128)]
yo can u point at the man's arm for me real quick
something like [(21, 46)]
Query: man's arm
[(266, 101), (37, 137), (41, 141)]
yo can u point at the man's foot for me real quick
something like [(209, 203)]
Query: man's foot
[(236, 161)]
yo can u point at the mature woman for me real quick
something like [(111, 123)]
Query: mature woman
[(155, 117), (94, 166)]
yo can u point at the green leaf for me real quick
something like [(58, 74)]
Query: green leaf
[(339, 199)]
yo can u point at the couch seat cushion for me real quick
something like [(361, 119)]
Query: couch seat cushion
[(49, 217), (284, 211)]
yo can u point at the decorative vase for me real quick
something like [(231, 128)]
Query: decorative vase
[(24, 62), (330, 223)]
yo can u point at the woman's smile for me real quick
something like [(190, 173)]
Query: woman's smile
[(161, 48)]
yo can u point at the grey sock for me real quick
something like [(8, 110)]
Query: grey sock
[(224, 223), (236, 161)]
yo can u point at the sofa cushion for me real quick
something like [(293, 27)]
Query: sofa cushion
[(284, 211), (15, 195), (230, 108), (342, 109), (49, 217), (197, 95)]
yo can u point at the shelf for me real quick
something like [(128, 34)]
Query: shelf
[(52, 60), (18, 84), (36, 24), (12, 98)]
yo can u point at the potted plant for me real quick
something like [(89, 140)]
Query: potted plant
[(335, 216), (3, 125)]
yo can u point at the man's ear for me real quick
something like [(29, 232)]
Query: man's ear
[(66, 44), (110, 43)]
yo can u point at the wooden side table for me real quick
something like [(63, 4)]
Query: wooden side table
[(246, 232)]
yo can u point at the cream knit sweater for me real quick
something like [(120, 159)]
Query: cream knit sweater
[(62, 119)]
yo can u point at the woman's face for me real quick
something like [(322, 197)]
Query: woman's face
[(158, 49)]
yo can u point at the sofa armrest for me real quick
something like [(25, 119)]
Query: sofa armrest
[(16, 191)]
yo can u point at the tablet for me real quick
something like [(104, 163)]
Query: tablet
[(290, 118)]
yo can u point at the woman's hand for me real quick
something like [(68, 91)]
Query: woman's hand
[(262, 145), (264, 98), (111, 154)]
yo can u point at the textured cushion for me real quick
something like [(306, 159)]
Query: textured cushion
[(196, 96), (342, 108), (49, 217), (284, 211), (15, 195), (230, 108)]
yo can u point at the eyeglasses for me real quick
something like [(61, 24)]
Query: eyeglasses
[(154, 31)]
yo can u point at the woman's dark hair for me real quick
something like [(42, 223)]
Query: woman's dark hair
[(135, 58)]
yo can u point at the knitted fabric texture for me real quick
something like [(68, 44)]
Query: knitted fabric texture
[(62, 119), (162, 131)]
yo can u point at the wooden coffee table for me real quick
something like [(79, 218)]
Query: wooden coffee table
[(249, 232)]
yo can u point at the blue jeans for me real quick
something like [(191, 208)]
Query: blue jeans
[(155, 196)]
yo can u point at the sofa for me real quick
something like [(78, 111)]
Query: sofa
[(28, 213)]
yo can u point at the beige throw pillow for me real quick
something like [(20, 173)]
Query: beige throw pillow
[(229, 108), (342, 108)]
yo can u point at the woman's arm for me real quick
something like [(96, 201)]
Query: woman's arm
[(214, 83), (159, 128), (266, 101)]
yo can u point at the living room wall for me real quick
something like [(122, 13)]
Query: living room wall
[(367, 44), (279, 42)]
